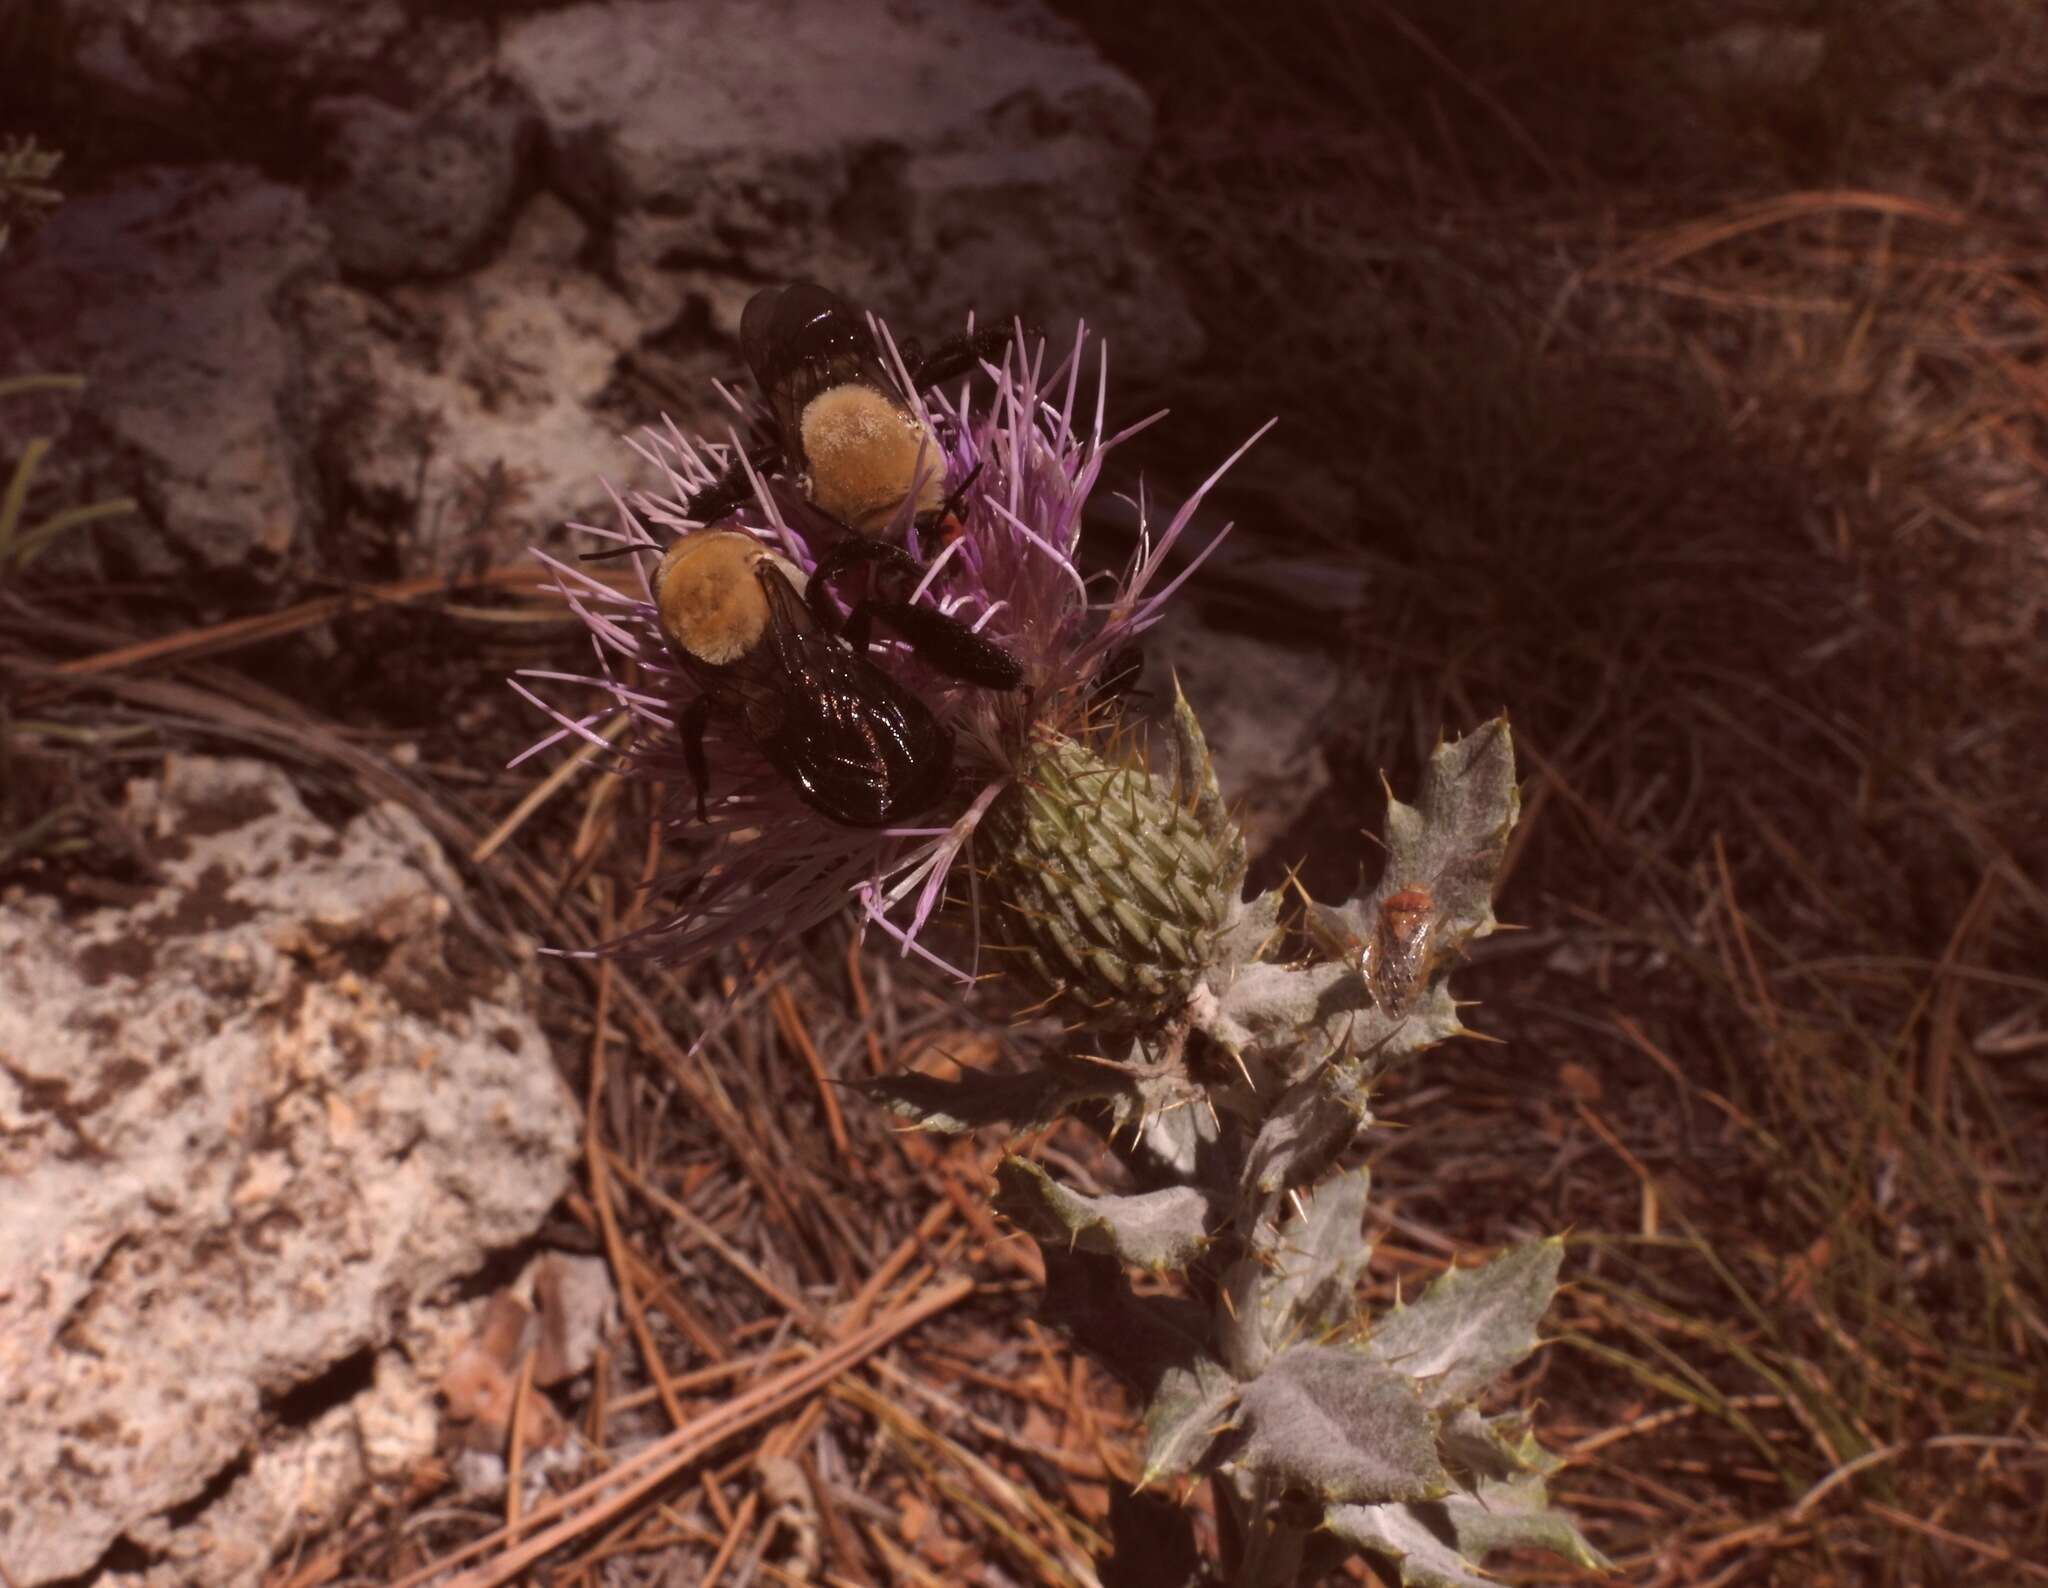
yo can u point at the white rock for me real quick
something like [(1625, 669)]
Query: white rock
[(162, 292), (244, 1127), (924, 158), (549, 221), (423, 394), (178, 56), (421, 193)]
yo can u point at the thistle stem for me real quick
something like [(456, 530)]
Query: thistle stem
[(1273, 1548)]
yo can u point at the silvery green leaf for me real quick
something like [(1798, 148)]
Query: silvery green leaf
[(1165, 1109), (1476, 1448), (1321, 1252), (1399, 1533), (1190, 1407), (1159, 1230), (1435, 894), (1299, 1284), (1379, 1039), (1175, 1139), (1516, 1514), (952, 1108), (1271, 1008), (1314, 1120), (1471, 1325), (1327, 1419), (1453, 840), (1298, 1016)]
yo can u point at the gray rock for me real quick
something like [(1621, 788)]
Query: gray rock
[(249, 1128), (217, 59), (421, 193), (923, 158), (467, 411), (462, 391), (163, 292), (1263, 711)]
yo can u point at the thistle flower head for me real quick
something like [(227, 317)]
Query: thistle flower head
[(762, 863)]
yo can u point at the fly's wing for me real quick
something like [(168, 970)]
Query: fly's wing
[(858, 746), (800, 340)]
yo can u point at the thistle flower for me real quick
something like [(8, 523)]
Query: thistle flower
[(762, 863)]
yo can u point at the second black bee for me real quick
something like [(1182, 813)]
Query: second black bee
[(855, 745)]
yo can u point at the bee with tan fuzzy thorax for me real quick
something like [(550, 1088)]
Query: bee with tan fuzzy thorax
[(856, 446), (855, 745)]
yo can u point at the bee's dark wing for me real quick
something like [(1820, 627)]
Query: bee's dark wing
[(802, 339), (857, 745)]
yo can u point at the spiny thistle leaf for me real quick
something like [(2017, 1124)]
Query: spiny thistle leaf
[(1476, 1447), (1189, 1408), (1253, 933), (1299, 1283), (1471, 1325), (1156, 1230), (1383, 1039), (1268, 1010), (952, 1108), (1400, 1534), (1439, 1543), (1174, 1134), (1444, 855), (1313, 1122), (1295, 1016), (1453, 839), (1329, 1420), (1516, 1514)]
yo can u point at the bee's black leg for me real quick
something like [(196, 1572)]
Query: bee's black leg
[(733, 489), (957, 497), (939, 641), (696, 716)]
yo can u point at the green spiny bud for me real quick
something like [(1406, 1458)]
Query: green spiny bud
[(1108, 888)]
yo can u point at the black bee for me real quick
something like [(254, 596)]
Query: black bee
[(857, 747), (838, 422)]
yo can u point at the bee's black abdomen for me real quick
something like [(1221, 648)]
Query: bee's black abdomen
[(856, 745)]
